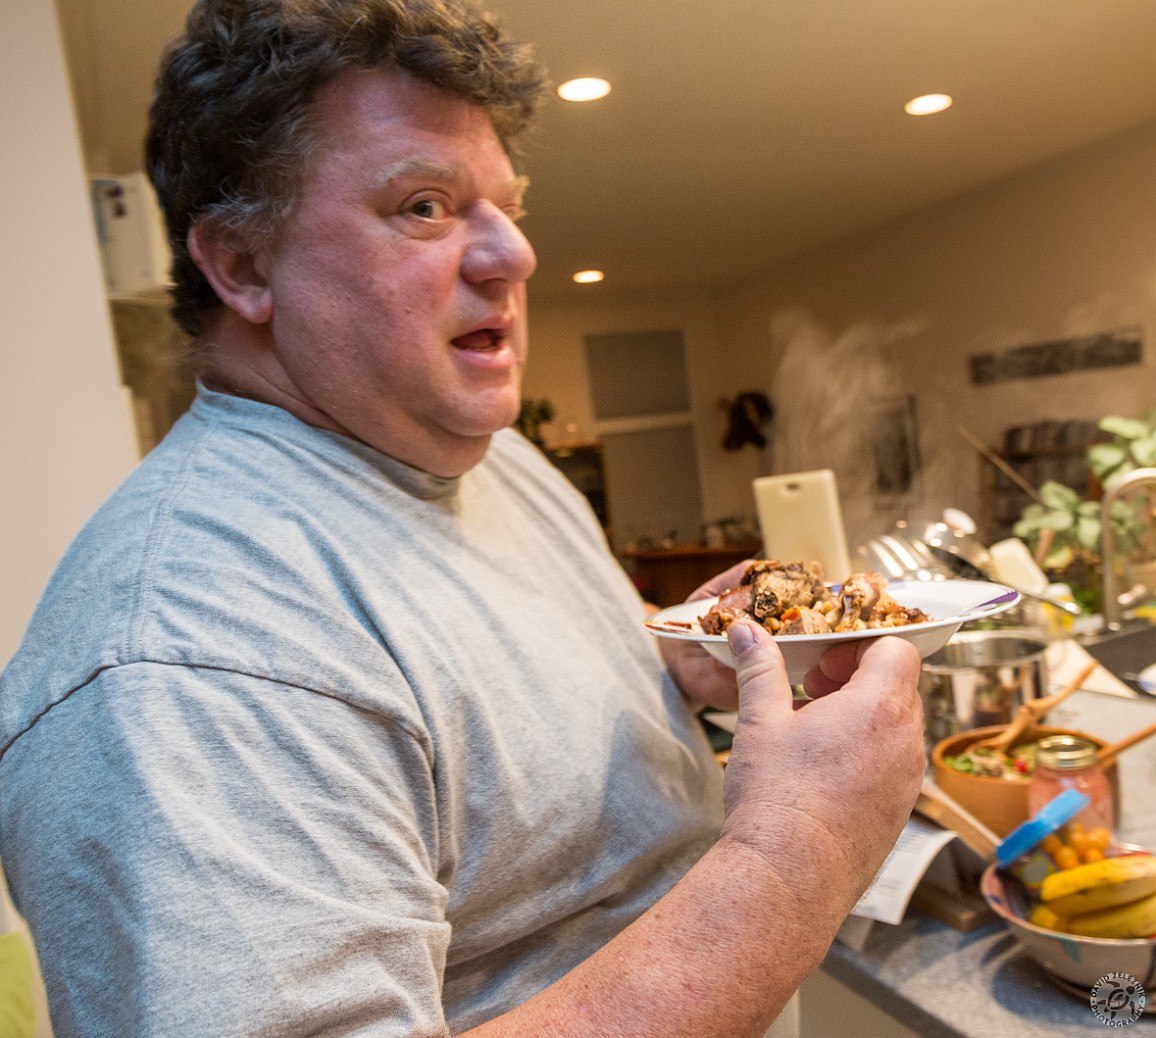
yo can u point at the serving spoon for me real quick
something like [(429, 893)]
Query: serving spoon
[(1029, 714), (1108, 754)]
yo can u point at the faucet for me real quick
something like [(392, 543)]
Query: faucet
[(1113, 607)]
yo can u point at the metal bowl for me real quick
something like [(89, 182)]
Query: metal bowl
[(981, 678), (1080, 961)]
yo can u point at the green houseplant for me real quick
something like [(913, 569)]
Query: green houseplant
[(1133, 445), (533, 415), (1068, 526)]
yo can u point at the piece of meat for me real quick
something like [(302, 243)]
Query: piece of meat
[(729, 607), (857, 599), (804, 621), (792, 598), (889, 613), (779, 587)]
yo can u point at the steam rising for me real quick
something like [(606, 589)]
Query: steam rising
[(827, 390)]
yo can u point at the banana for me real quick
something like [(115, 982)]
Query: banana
[(1043, 916), (1100, 885), (1137, 919), (1107, 896)]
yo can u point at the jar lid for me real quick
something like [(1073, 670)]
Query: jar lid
[(1065, 752), (1044, 822)]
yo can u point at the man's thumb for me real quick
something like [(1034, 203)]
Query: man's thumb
[(762, 674)]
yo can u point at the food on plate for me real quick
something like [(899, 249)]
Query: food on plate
[(793, 598), (1122, 923), (1017, 763), (1073, 845)]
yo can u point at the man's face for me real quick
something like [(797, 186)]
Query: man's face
[(398, 281)]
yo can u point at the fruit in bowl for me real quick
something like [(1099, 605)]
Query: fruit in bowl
[(1086, 921)]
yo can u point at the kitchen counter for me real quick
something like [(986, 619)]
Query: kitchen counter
[(942, 983)]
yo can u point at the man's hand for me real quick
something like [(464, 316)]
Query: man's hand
[(815, 799), (702, 679), (835, 781)]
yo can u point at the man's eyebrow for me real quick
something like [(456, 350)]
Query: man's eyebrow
[(417, 167), (443, 173)]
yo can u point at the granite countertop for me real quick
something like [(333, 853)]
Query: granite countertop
[(941, 983)]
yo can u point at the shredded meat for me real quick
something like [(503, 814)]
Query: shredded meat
[(859, 596), (792, 598), (778, 587), (804, 621), (730, 606)]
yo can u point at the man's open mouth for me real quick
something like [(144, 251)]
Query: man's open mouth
[(484, 339)]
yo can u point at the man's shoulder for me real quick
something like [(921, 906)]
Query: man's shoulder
[(211, 554)]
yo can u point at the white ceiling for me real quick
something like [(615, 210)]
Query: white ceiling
[(740, 133)]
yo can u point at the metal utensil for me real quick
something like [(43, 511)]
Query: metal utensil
[(900, 557)]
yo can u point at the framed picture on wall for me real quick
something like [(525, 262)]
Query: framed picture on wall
[(894, 446)]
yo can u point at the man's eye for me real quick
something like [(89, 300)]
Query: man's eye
[(429, 209)]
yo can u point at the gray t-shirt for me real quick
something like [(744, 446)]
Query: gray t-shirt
[(304, 741)]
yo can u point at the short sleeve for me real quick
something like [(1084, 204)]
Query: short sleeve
[(247, 858)]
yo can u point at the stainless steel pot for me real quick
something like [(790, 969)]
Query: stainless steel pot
[(980, 678)]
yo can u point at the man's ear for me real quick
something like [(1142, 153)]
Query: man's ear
[(237, 277)]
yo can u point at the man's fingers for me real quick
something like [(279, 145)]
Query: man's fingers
[(841, 662), (833, 671)]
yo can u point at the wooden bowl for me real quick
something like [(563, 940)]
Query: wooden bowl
[(1000, 803)]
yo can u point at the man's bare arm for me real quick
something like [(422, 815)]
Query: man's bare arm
[(815, 799)]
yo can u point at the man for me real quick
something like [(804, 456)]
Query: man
[(339, 717)]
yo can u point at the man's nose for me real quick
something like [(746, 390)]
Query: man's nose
[(499, 250)]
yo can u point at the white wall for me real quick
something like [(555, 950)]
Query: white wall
[(557, 369), (65, 427), (1064, 249)]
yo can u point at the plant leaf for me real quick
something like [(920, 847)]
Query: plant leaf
[(1057, 496), (1088, 532), (1058, 521), (1125, 428), (1027, 527), (1104, 457), (1144, 450)]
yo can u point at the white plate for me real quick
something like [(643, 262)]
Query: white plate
[(1146, 679), (950, 603)]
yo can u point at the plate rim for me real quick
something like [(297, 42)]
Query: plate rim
[(656, 626)]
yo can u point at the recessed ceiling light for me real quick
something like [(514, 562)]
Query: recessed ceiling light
[(927, 104), (588, 277), (585, 89)]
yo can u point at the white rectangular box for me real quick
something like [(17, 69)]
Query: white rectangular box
[(133, 244), (801, 521)]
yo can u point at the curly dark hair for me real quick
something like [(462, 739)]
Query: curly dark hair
[(232, 124)]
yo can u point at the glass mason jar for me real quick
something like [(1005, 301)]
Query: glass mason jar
[(1069, 762)]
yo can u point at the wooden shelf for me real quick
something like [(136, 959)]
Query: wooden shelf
[(1002, 501), (666, 576)]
